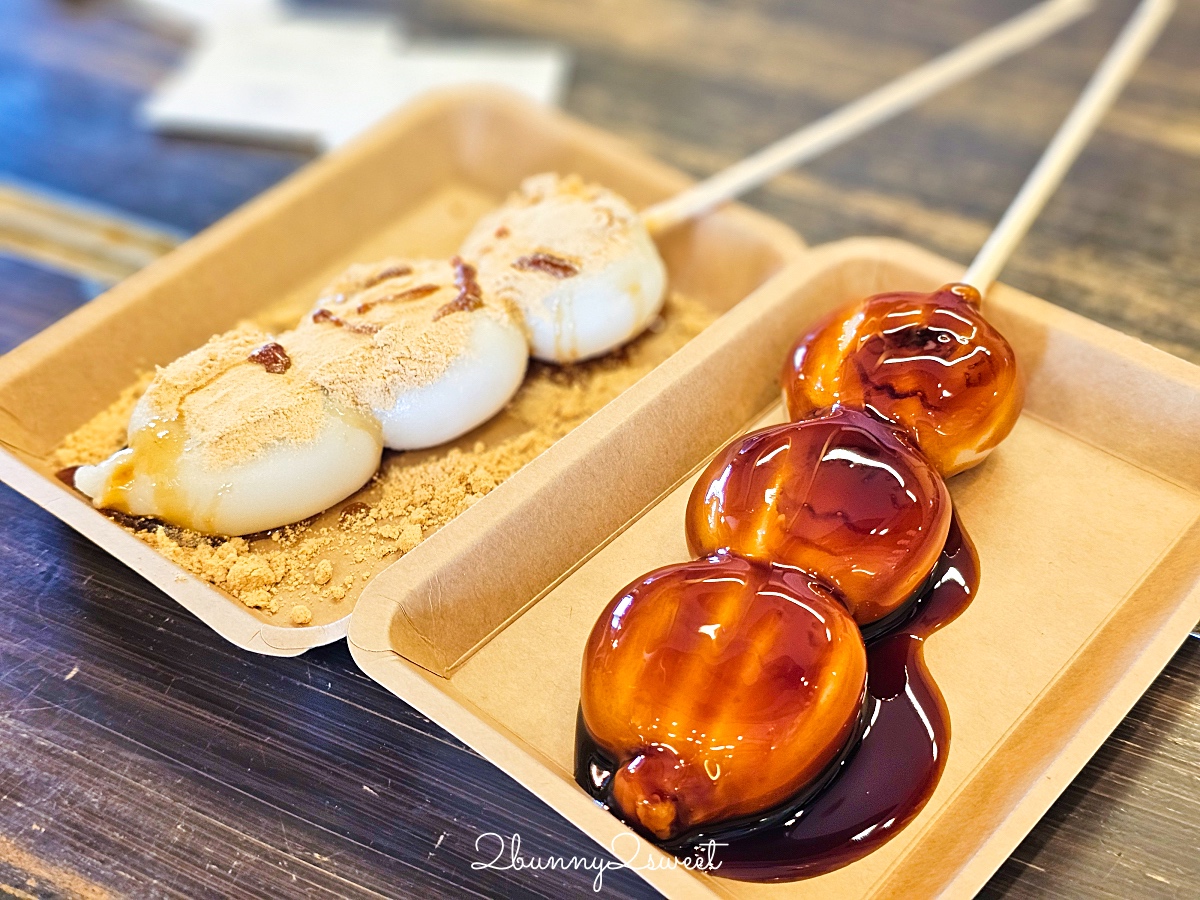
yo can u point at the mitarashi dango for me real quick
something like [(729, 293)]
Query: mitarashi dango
[(930, 363), (720, 688), (843, 496)]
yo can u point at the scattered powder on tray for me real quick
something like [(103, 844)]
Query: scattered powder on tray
[(105, 433), (310, 573)]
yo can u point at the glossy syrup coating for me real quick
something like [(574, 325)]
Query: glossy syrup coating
[(843, 496), (896, 766), (721, 688), (928, 362)]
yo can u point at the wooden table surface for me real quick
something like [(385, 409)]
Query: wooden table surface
[(141, 755)]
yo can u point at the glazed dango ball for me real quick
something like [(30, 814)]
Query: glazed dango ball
[(721, 688), (843, 496), (930, 363)]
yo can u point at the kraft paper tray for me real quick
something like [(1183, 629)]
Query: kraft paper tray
[(413, 186), (1087, 522)]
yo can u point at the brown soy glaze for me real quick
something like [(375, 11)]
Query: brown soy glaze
[(352, 510), (881, 784), (352, 287), (386, 274), (548, 263), (718, 687), (843, 496), (412, 293), (929, 363), (324, 315), (470, 294), (888, 779), (67, 475), (272, 357)]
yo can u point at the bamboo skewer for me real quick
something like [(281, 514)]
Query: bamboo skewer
[(1017, 34), (1122, 59)]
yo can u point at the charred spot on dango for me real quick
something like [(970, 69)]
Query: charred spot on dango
[(929, 363), (718, 689), (842, 496)]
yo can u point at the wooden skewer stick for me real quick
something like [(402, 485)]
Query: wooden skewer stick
[(1017, 34), (1122, 59)]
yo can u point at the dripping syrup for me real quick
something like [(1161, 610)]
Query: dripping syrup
[(888, 777)]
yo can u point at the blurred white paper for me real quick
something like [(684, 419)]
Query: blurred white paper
[(320, 81), (537, 71), (203, 13), (273, 81)]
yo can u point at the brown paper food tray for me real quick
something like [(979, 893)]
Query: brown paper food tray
[(1087, 522), (413, 186)]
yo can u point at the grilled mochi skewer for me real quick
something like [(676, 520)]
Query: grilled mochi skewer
[(232, 438), (578, 262), (419, 344), (253, 431)]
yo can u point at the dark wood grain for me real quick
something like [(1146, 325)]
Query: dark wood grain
[(32, 296), (72, 77), (142, 756)]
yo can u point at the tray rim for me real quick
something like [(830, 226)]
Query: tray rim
[(434, 695)]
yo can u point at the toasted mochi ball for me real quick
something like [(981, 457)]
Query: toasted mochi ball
[(231, 439), (843, 496), (418, 343), (578, 262), (930, 363), (721, 688)]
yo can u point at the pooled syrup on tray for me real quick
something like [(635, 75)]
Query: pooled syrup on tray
[(900, 759), (887, 780)]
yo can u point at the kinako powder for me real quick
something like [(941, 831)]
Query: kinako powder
[(310, 573)]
